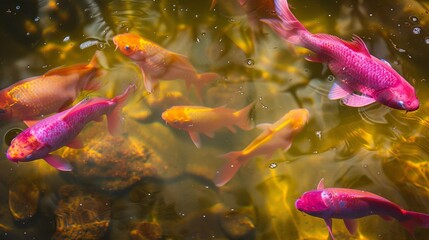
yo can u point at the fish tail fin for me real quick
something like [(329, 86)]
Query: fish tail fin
[(228, 170), (415, 220), (244, 117), (114, 118), (99, 64), (288, 27), (202, 80), (212, 5)]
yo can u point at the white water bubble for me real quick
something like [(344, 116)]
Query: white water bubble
[(273, 165), (417, 30)]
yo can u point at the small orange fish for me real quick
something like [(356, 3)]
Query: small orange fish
[(157, 63), (196, 119), (275, 136), (31, 98)]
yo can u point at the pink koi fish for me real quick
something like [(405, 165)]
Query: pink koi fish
[(157, 63), (275, 136), (61, 129), (350, 204), (31, 98), (197, 119), (362, 79)]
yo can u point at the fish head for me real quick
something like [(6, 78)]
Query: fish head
[(178, 117), (130, 45), (312, 203), (23, 148), (401, 97)]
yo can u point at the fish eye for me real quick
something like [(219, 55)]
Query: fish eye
[(401, 104), (127, 47)]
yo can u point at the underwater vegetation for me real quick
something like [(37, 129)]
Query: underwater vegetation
[(182, 119)]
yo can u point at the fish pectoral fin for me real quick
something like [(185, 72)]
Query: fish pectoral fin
[(210, 134), (354, 100), (387, 218), (147, 80), (58, 162), (351, 225), (195, 138), (76, 143), (313, 58), (264, 126), (287, 145), (339, 90), (328, 222), (232, 129), (321, 184)]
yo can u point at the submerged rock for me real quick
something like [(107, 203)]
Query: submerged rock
[(23, 200), (81, 215), (238, 225), (146, 231), (113, 163)]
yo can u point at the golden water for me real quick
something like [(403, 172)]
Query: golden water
[(373, 148)]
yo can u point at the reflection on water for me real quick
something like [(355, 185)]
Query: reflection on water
[(152, 183)]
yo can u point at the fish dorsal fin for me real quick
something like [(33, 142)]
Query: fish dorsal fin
[(31, 123), (77, 106), (357, 44), (321, 184), (351, 225), (61, 70), (360, 46)]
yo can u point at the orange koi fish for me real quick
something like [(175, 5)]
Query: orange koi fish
[(196, 119), (157, 63), (31, 98), (275, 136)]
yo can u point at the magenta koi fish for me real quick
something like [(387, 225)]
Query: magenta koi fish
[(350, 204), (61, 129), (362, 79)]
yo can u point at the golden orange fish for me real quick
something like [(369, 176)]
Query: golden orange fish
[(31, 98), (275, 136), (157, 63), (198, 119)]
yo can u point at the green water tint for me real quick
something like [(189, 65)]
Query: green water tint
[(153, 182)]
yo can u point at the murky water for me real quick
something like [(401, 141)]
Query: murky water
[(153, 183)]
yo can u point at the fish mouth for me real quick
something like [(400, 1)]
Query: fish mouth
[(11, 158), (298, 204)]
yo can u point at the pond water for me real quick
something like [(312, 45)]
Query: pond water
[(153, 183)]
